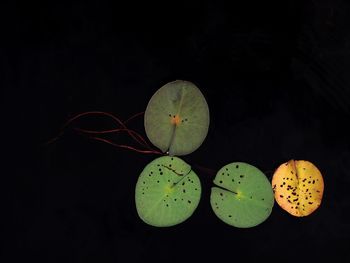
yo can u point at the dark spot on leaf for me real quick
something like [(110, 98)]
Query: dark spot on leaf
[(189, 201), (220, 182), (310, 203), (161, 173), (241, 176), (158, 181), (281, 196), (237, 166), (229, 216), (221, 194), (184, 190)]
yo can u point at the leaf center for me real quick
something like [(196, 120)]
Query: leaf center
[(176, 120)]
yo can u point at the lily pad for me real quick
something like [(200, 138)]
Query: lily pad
[(167, 192), (242, 196), (298, 187), (177, 118)]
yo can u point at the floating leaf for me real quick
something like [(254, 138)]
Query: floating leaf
[(298, 187), (177, 118), (243, 196), (167, 192)]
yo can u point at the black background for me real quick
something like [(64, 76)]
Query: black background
[(275, 76)]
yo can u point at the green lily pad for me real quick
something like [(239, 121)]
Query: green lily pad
[(167, 192), (177, 118), (243, 196)]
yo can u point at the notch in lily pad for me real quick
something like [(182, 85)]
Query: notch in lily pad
[(177, 118), (167, 192), (242, 196)]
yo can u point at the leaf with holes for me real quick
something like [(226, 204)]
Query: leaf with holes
[(177, 118), (298, 187), (167, 192), (242, 196)]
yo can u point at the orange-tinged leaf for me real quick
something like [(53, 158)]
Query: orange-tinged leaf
[(298, 187)]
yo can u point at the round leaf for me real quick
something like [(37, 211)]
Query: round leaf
[(298, 187), (177, 118), (167, 192), (243, 196)]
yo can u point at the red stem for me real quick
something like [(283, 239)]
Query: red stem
[(136, 136), (126, 146), (134, 116)]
